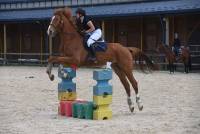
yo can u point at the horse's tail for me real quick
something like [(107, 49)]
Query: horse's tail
[(137, 54)]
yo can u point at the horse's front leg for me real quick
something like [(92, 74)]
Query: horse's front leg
[(60, 60), (48, 71)]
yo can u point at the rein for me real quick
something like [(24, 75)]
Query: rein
[(65, 33)]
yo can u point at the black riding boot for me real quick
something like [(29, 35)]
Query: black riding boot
[(92, 55)]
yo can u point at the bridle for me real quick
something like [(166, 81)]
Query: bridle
[(64, 32)]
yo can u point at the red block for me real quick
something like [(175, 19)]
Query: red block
[(65, 107), (62, 108), (68, 108)]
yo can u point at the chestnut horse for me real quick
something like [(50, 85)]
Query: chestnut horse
[(171, 57), (73, 52)]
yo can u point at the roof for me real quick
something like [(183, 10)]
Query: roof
[(16, 1), (131, 9), (26, 15), (146, 8)]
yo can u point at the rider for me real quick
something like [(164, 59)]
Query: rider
[(88, 27), (176, 44)]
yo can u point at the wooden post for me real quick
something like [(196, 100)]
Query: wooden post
[(41, 46), (103, 29), (185, 32), (5, 43), (113, 34), (20, 42), (50, 45), (141, 34), (173, 28), (167, 31)]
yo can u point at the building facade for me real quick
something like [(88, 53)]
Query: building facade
[(139, 23)]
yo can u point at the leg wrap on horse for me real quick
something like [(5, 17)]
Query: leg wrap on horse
[(130, 104), (139, 102)]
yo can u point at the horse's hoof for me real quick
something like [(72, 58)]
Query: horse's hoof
[(131, 109), (141, 108), (52, 77), (47, 71)]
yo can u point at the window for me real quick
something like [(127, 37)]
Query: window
[(19, 5), (7, 6), (2, 6), (30, 5), (54, 3), (42, 4), (13, 6), (36, 4), (24, 5), (60, 3)]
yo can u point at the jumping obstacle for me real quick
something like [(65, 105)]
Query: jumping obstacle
[(97, 109), (102, 94), (66, 91)]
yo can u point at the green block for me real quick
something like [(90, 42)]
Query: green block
[(74, 110), (88, 110), (80, 111)]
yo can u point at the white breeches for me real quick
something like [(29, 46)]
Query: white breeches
[(94, 36)]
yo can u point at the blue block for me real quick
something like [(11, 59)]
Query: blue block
[(102, 74), (66, 86), (100, 90), (70, 73)]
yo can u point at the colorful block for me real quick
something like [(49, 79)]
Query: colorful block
[(102, 74), (64, 96), (102, 89), (74, 110), (80, 111), (75, 104), (66, 86), (67, 73), (102, 114), (102, 100), (88, 110), (62, 108), (68, 108)]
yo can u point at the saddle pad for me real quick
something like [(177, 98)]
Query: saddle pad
[(100, 46)]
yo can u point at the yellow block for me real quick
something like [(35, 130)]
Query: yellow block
[(102, 100), (66, 96), (102, 114), (66, 65)]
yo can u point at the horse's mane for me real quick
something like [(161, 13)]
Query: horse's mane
[(67, 12)]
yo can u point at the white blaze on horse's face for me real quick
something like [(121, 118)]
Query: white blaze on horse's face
[(51, 30)]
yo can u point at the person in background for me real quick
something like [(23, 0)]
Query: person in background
[(176, 45)]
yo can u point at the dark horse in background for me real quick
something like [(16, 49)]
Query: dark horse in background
[(183, 57), (72, 51)]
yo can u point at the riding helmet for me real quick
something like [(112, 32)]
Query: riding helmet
[(81, 11)]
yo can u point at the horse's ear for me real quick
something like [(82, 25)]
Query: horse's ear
[(67, 12)]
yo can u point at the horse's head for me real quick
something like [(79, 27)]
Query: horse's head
[(57, 21)]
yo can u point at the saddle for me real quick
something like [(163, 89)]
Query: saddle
[(99, 45)]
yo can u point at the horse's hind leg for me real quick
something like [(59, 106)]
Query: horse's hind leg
[(125, 83), (128, 72)]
